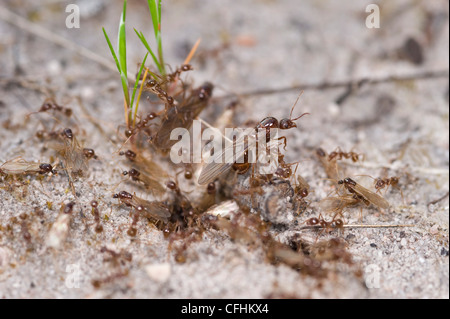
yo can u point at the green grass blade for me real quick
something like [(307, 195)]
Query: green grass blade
[(123, 76), (155, 12), (155, 17), (112, 50), (137, 79), (122, 51), (147, 46)]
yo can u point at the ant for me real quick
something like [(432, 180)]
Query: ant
[(363, 193), (96, 213), (338, 154), (151, 210), (116, 258), (141, 125), (149, 182), (21, 166), (50, 104), (217, 167), (335, 223), (339, 203), (89, 153), (181, 116), (381, 183)]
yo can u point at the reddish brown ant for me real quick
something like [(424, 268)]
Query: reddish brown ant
[(145, 165), (181, 116), (174, 76), (89, 153), (216, 168), (152, 210), (337, 204), (150, 183), (338, 154), (97, 283), (363, 193), (96, 213), (381, 183), (117, 259), (50, 104), (183, 211), (142, 125), (20, 166), (335, 223)]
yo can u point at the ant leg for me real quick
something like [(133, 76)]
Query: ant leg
[(285, 141)]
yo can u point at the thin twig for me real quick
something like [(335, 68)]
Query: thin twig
[(427, 75), (434, 202), (359, 226)]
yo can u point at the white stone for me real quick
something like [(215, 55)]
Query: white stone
[(158, 272)]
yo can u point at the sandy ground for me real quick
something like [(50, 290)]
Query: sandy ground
[(400, 126)]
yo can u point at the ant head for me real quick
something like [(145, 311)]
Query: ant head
[(205, 91), (338, 223), (172, 185), (89, 153), (134, 172), (286, 124), (116, 196), (188, 174), (350, 181), (290, 122), (45, 168), (68, 133), (186, 67), (129, 133), (211, 188)]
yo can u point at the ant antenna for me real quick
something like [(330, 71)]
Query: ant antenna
[(293, 106)]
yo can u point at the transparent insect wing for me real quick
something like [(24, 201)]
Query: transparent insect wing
[(19, 166), (330, 204), (179, 117), (74, 156), (152, 168), (372, 197), (155, 187), (222, 161), (154, 210)]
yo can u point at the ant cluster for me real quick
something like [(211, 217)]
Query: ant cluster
[(225, 195)]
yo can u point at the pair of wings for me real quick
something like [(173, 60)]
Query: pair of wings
[(18, 166), (222, 161)]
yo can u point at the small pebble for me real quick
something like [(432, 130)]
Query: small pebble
[(158, 272)]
